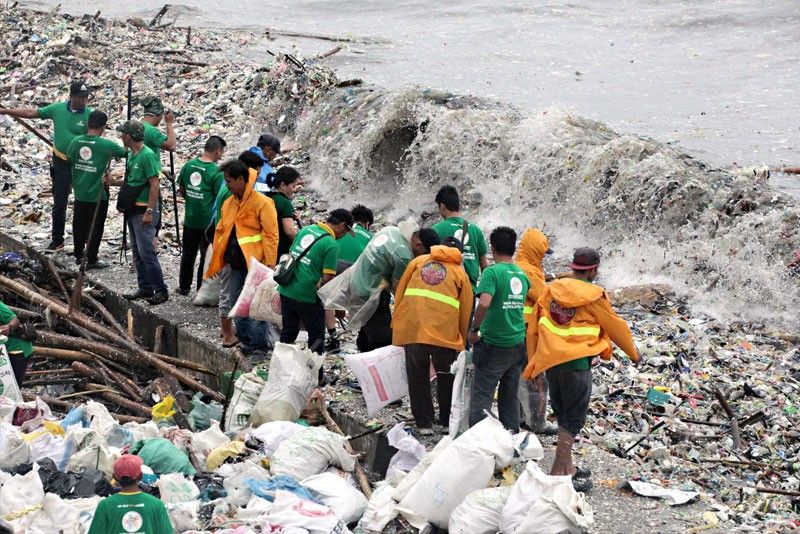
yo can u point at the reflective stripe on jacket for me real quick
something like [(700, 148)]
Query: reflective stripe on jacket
[(433, 301)]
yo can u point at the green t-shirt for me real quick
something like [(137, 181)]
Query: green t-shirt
[(285, 210), (321, 259), (67, 124), (13, 345), (581, 364), (504, 325), (153, 139), (124, 513), (352, 245), (474, 245), (89, 156), (142, 167), (202, 180)]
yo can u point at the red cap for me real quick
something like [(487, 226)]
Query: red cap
[(129, 466)]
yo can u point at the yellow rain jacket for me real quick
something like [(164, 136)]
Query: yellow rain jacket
[(433, 301), (256, 222), (531, 251), (580, 324)]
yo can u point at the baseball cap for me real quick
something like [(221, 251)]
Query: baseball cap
[(152, 105), (129, 466), (585, 258), (341, 215), (133, 128), (79, 88), (270, 141)]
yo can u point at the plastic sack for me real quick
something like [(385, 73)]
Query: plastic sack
[(480, 512), (236, 477), (222, 453), (175, 488), (56, 515), (8, 383), (441, 487), (184, 516), (273, 434), (293, 375), (206, 441), (409, 450), (381, 508), (381, 374), (13, 449), (289, 511), (163, 457), (99, 418), (85, 448), (208, 294), (246, 390), (347, 502), (309, 452), (45, 445), (119, 436), (266, 489), (204, 410), (464, 371), (163, 411), (20, 495), (266, 305), (405, 485), (528, 446), (542, 503), (256, 273)]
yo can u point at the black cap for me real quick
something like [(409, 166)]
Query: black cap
[(584, 259), (79, 89), (270, 141), (341, 216)]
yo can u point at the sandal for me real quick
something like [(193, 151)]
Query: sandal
[(230, 345)]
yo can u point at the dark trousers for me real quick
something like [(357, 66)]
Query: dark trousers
[(293, 312), (19, 364), (377, 331), (82, 215), (418, 366), (149, 276), (193, 241), (533, 402), (61, 178), (495, 365)]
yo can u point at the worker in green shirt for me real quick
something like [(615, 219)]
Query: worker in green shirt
[(142, 172), (199, 181), (70, 119), (498, 333), (474, 243), (130, 510), (89, 156), (350, 248), (157, 141), (286, 182), (19, 350)]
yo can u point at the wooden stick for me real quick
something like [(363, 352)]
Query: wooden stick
[(61, 354), (103, 311), (67, 406), (120, 400), (777, 491), (130, 324), (51, 268), (332, 51), (158, 341), (159, 15), (333, 427), (737, 438), (80, 394)]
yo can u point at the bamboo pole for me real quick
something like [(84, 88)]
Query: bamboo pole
[(333, 427)]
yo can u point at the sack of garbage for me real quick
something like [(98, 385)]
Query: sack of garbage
[(273, 434), (293, 375), (13, 449), (206, 441), (235, 480), (176, 487), (256, 274), (221, 454), (184, 516), (409, 450), (56, 515), (163, 457), (8, 383), (266, 305), (381, 508), (528, 447), (43, 444), (85, 447), (346, 501), (441, 488), (246, 390), (408, 481), (381, 374), (309, 452), (464, 370), (208, 294), (542, 503), (204, 410), (290, 511), (266, 489), (19, 495), (480, 512)]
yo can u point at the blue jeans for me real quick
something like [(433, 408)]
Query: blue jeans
[(149, 276), (253, 334), (495, 365)]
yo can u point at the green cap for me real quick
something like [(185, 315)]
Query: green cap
[(152, 105), (133, 128)]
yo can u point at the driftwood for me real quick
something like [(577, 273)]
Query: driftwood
[(333, 427), (737, 438), (119, 400), (67, 406), (105, 314)]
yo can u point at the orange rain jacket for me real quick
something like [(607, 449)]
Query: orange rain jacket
[(589, 333), (433, 301), (531, 251), (256, 221)]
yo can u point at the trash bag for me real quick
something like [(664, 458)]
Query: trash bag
[(266, 488), (85, 447), (99, 417), (208, 294), (121, 437), (76, 415), (163, 457), (204, 410), (381, 508), (13, 449), (477, 452), (464, 371), (309, 452), (293, 375), (257, 273), (333, 491), (8, 383), (20, 495), (479, 512), (176, 488), (271, 435), (184, 516), (210, 486), (163, 411), (289, 511), (408, 481), (266, 305), (542, 503), (56, 515), (86, 483), (223, 453), (409, 450), (236, 477), (206, 441), (246, 390), (43, 444), (381, 374)]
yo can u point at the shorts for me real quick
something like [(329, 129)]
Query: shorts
[(225, 303), (570, 392)]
